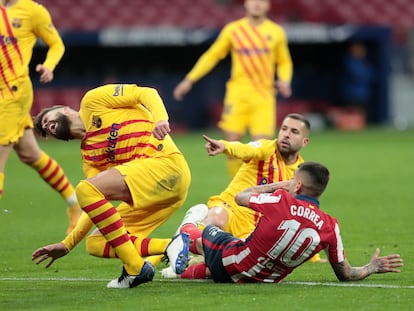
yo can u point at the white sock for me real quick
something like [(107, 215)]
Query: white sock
[(72, 201), (195, 215)]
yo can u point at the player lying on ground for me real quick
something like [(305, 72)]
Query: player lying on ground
[(291, 231)]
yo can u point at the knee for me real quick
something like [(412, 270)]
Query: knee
[(83, 188), (29, 158), (217, 216)]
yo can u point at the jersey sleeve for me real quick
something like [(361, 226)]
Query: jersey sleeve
[(284, 60), (335, 251), (215, 53), (82, 228), (242, 151), (46, 31), (150, 99), (261, 201), (115, 96)]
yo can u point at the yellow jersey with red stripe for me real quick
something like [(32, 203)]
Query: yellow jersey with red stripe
[(257, 53), (21, 25), (263, 164), (119, 119)]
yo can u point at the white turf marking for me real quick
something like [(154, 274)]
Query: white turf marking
[(348, 284), (329, 284)]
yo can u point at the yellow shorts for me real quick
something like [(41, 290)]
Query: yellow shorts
[(242, 220), (248, 111), (159, 187), (15, 112)]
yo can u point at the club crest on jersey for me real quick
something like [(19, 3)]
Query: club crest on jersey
[(263, 181), (96, 121), (16, 22), (268, 37)]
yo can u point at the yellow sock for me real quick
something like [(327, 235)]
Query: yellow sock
[(52, 173), (151, 246), (105, 216), (155, 260), (233, 166), (1, 183), (97, 245), (201, 226)]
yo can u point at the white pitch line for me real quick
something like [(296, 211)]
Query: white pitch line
[(329, 284), (348, 284)]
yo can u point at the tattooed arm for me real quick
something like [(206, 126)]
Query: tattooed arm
[(345, 272), (243, 197)]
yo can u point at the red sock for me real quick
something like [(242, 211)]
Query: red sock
[(197, 271), (194, 234)]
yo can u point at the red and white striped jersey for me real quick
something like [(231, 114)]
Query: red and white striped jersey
[(291, 231)]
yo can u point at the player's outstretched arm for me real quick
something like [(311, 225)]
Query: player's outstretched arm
[(52, 251), (213, 146), (345, 272)]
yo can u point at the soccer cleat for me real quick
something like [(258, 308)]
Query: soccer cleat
[(130, 281), (73, 215), (195, 215), (177, 252), (315, 258)]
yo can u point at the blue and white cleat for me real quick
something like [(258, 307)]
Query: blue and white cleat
[(178, 252), (130, 281)]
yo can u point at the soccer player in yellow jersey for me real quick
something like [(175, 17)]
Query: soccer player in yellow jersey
[(127, 156), (259, 55), (22, 22), (265, 162)]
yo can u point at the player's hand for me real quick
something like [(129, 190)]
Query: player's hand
[(46, 75), (182, 89), (213, 146), (52, 251), (283, 88), (161, 129), (385, 264)]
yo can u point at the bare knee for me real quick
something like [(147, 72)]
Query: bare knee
[(28, 156), (27, 148), (217, 216)]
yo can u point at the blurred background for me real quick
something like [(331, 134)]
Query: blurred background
[(155, 43)]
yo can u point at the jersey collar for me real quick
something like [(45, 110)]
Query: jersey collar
[(304, 197)]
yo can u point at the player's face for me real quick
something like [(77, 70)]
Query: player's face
[(292, 137), (57, 124), (257, 8)]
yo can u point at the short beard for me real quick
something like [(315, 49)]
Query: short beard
[(63, 131), (286, 153)]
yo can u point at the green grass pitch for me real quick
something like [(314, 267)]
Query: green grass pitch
[(371, 193)]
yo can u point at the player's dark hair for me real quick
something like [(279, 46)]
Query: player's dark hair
[(38, 119), (300, 117), (317, 176)]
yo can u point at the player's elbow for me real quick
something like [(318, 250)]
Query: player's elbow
[(343, 278), (343, 271), (239, 198)]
